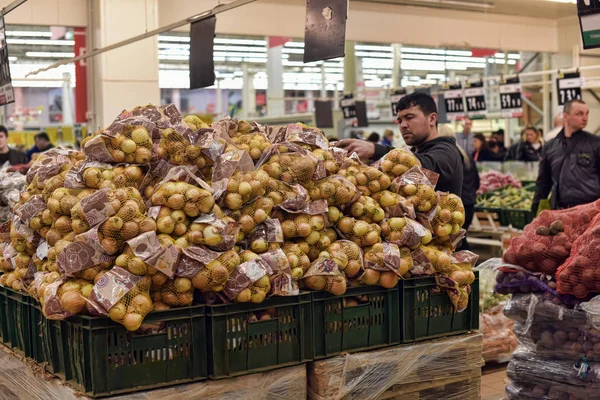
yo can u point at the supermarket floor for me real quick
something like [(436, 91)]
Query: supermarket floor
[(493, 382)]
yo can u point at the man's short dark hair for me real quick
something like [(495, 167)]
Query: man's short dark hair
[(42, 135), (418, 99), (569, 104), (4, 130)]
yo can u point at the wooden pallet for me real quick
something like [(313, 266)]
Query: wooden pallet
[(401, 370)]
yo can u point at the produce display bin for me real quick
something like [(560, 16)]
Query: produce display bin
[(16, 323), (4, 336), (426, 315), (104, 359), (518, 218), (241, 341), (342, 328), (49, 342)]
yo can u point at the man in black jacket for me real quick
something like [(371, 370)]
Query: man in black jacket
[(417, 115), (570, 166)]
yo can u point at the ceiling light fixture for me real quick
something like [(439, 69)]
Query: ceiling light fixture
[(48, 54)]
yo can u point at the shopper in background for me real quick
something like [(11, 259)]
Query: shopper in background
[(530, 147), (558, 125), (496, 145), (12, 156), (470, 183), (418, 119), (42, 143), (482, 152), (465, 138), (388, 137), (570, 165), (373, 137)]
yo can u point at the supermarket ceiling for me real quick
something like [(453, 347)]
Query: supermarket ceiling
[(530, 8)]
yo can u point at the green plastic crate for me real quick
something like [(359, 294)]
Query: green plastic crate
[(37, 335), (371, 324), (4, 336), (49, 342), (238, 344), (18, 323), (427, 315), (104, 359)]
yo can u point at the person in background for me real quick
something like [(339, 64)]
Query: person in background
[(470, 184), (42, 143), (570, 165), (530, 147), (12, 156), (388, 137), (465, 138), (557, 123), (418, 119), (496, 145), (373, 137), (482, 152)]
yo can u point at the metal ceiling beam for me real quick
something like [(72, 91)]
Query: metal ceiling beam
[(529, 62), (206, 14), (12, 6)]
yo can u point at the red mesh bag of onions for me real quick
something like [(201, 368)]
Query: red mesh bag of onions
[(580, 274), (546, 242)]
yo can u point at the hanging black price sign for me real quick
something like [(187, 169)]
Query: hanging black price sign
[(569, 88), (348, 106), (510, 98), (453, 100), (475, 95), (397, 94), (6, 89)]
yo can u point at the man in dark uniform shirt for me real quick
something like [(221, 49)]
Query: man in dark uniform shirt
[(418, 118), (14, 157)]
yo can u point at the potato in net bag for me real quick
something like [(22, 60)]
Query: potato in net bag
[(368, 180), (291, 164), (449, 216), (253, 214), (546, 242), (218, 234), (287, 197), (366, 209), (263, 237), (123, 296), (145, 255), (580, 273), (62, 297), (51, 163), (181, 145), (254, 143), (233, 127), (332, 158), (394, 205), (176, 292), (385, 264), (191, 199), (35, 214), (325, 274), (73, 257), (249, 282), (458, 295), (417, 185), (96, 175), (22, 237), (313, 245), (304, 225), (336, 189), (128, 140), (297, 259), (347, 255), (405, 232), (208, 270), (398, 161), (95, 208), (230, 170), (422, 264), (360, 232), (157, 172), (6, 257)]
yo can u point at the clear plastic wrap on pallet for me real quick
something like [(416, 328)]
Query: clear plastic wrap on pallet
[(404, 369), (575, 380), (281, 384)]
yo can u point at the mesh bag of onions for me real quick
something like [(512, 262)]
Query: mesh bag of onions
[(546, 242), (580, 274)]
